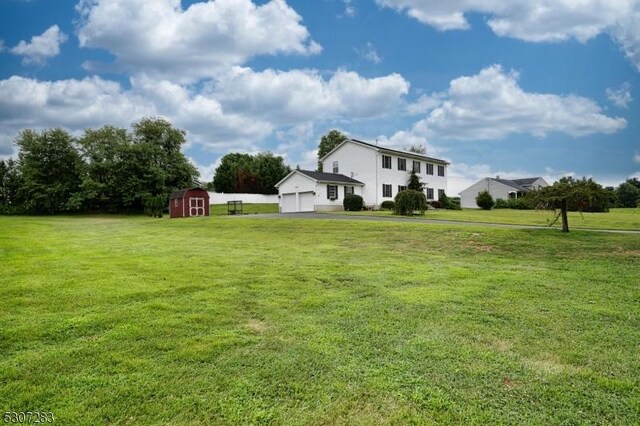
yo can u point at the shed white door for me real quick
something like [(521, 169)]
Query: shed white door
[(196, 206), (307, 202), (288, 203)]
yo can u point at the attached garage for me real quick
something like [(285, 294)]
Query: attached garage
[(308, 191)]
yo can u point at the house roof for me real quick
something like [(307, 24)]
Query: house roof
[(390, 151), (323, 177), (181, 193), (510, 183), (526, 181)]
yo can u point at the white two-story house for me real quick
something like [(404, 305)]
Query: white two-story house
[(376, 173)]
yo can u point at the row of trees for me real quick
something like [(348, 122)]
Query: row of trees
[(627, 194), (105, 170), (249, 174)]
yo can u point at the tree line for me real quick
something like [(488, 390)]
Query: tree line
[(108, 169)]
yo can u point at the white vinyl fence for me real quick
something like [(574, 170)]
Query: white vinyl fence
[(221, 198)]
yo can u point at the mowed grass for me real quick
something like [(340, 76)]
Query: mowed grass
[(624, 219), (114, 320), (248, 208)]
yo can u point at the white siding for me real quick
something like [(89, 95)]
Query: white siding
[(365, 164), (325, 204), (359, 163), (496, 189)]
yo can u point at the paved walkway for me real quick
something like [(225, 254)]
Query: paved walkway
[(421, 221)]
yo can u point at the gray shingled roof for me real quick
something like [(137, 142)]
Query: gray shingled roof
[(511, 183), (525, 181), (330, 177), (398, 151)]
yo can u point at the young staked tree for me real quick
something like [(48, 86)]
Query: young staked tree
[(566, 192), (327, 143)]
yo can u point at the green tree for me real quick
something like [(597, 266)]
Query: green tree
[(327, 143), (103, 151), (51, 170), (10, 183), (271, 169), (627, 194), (484, 200), (409, 201), (418, 149), (414, 182), (567, 192), (225, 176)]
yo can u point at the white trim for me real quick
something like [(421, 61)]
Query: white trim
[(196, 207)]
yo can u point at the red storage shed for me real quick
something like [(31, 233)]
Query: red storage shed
[(189, 202)]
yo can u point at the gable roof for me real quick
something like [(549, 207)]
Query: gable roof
[(510, 183), (388, 150), (321, 177)]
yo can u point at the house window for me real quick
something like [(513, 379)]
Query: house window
[(416, 166), (386, 161), (335, 167), (429, 169), (440, 170), (386, 191), (429, 193), (402, 188), (402, 164), (440, 193), (348, 190), (332, 192)]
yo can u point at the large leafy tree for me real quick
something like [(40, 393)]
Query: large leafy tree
[(225, 176), (627, 194), (328, 142), (51, 170), (583, 194), (104, 150), (244, 173), (10, 184)]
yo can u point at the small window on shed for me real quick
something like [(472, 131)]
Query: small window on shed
[(175, 202)]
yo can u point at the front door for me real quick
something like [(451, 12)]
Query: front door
[(196, 206)]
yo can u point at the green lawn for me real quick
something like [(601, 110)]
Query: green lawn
[(133, 320), (222, 210), (616, 219)]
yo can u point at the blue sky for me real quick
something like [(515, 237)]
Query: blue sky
[(518, 88)]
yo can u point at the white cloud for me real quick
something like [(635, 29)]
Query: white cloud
[(349, 8), (424, 104), (41, 47), (369, 53), (298, 96), (536, 20), (159, 38), (91, 102), (636, 158), (621, 97), (491, 105)]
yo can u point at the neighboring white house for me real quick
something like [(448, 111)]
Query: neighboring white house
[(307, 191), (381, 173), (499, 188)]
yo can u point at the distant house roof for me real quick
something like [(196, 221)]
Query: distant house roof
[(181, 193), (525, 181), (323, 177), (389, 150), (511, 183)]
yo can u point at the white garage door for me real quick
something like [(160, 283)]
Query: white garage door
[(288, 203), (307, 203)]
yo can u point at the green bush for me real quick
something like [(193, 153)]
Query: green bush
[(501, 204), (353, 203), (410, 201), (437, 204), (388, 205), (484, 200), (522, 203)]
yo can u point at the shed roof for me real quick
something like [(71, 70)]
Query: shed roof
[(181, 193)]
